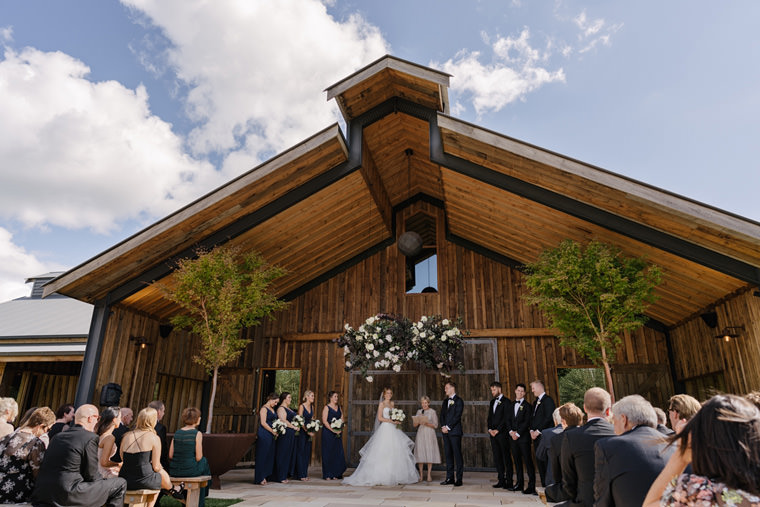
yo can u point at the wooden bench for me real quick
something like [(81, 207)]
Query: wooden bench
[(193, 487), (140, 497)]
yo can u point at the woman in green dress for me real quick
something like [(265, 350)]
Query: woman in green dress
[(186, 450)]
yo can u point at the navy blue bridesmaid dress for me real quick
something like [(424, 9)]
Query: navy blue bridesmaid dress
[(333, 459), (303, 448), (264, 450), (285, 455)]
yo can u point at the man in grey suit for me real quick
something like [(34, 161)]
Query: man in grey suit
[(577, 459), (69, 474), (627, 465)]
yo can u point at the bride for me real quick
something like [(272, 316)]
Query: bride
[(386, 458)]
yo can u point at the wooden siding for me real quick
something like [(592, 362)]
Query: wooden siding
[(706, 363)]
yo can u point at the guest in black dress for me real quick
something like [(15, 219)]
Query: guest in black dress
[(333, 457), (21, 455), (303, 440), (286, 444), (141, 455), (265, 438)]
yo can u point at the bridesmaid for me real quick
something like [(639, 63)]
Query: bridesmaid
[(285, 446), (333, 459), (303, 441), (265, 441)]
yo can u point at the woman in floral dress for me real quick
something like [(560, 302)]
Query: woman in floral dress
[(722, 444), (21, 454)]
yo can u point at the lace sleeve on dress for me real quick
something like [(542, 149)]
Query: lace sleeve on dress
[(36, 453), (433, 417)]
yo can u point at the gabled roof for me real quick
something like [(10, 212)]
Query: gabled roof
[(327, 201)]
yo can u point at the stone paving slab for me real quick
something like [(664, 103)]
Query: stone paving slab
[(476, 491)]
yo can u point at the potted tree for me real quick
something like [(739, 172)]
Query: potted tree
[(591, 295), (220, 292)]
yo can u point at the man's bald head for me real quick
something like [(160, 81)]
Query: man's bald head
[(596, 402), (86, 416)]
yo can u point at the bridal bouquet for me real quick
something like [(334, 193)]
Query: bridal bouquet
[(337, 425), (313, 426), (398, 416), (298, 422), (279, 428)]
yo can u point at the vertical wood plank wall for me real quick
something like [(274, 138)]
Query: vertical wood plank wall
[(487, 294), (706, 363)]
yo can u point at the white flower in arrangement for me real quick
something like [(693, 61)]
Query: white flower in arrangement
[(298, 421), (419, 325), (443, 337), (455, 330), (359, 338), (398, 415), (369, 378), (346, 351), (347, 327), (388, 338), (445, 322), (369, 346), (374, 336), (397, 368), (369, 356), (375, 353), (415, 330), (423, 334), (370, 321), (279, 427), (348, 364), (361, 328)]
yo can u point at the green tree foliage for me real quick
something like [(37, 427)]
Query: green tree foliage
[(222, 291), (591, 296), (574, 382)]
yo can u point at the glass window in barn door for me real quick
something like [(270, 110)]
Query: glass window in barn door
[(422, 266), (574, 382), (279, 381)]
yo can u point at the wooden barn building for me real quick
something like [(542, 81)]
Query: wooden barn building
[(330, 210)]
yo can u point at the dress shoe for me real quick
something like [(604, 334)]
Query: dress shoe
[(447, 482), (530, 491), (508, 486), (457, 483), (499, 484), (515, 488)]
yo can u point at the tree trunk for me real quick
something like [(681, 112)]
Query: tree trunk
[(608, 375), (211, 400)]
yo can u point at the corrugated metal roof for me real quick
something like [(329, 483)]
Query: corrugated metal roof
[(42, 349), (42, 318)]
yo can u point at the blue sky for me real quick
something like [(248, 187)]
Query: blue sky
[(115, 113)]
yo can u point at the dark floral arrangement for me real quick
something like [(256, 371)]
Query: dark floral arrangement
[(386, 342)]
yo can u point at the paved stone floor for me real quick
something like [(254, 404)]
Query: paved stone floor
[(476, 491)]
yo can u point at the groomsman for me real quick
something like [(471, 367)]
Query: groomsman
[(451, 427), (520, 443), (541, 420), (499, 412)]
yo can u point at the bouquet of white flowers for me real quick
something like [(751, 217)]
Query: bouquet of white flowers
[(279, 428), (298, 422), (337, 425), (314, 426), (398, 416)]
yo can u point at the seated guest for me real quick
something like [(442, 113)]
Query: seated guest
[(578, 448), (662, 419), (121, 430), (63, 417), (186, 450), (69, 472), (141, 455), (542, 450), (8, 413), (110, 418), (681, 408), (571, 417), (21, 455), (721, 444), (160, 409), (627, 465)]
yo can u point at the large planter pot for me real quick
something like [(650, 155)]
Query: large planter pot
[(225, 450)]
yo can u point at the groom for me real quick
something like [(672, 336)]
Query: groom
[(451, 427)]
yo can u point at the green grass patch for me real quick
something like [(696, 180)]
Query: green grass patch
[(167, 501)]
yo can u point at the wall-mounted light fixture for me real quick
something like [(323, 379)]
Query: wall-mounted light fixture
[(140, 341), (729, 332)]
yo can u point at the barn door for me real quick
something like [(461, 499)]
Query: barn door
[(409, 385)]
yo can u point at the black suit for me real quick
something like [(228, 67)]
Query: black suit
[(161, 432), (520, 423), (69, 474), (542, 419), (554, 492), (578, 460), (118, 434), (542, 451), (451, 416), (498, 419), (627, 465)]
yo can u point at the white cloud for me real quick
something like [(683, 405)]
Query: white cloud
[(6, 33), (81, 154), (256, 70), (16, 264), (517, 68), (594, 32)]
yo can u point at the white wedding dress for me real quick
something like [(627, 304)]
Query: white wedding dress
[(386, 458)]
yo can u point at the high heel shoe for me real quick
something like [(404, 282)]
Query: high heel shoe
[(178, 492)]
